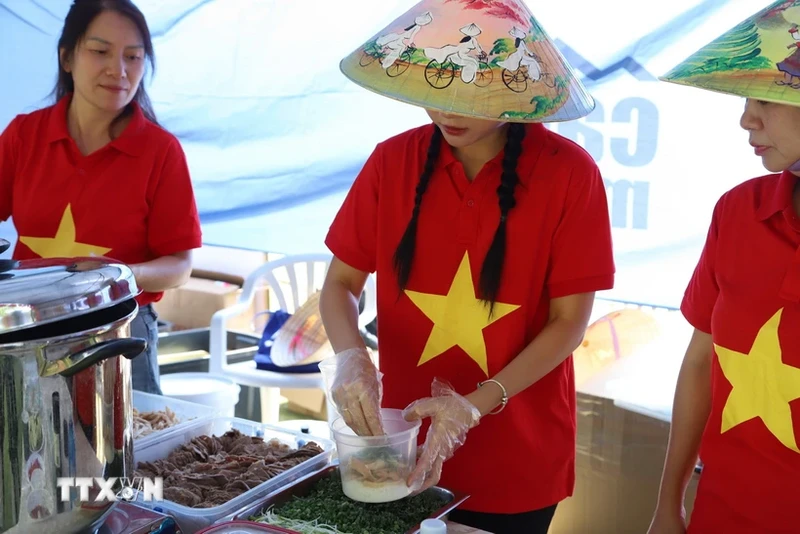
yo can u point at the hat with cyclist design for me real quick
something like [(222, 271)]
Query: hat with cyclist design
[(485, 59)]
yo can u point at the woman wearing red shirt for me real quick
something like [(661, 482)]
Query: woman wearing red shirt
[(489, 235), (95, 174), (737, 401)]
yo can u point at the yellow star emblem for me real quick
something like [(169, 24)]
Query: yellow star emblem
[(458, 318), (64, 244), (763, 386)]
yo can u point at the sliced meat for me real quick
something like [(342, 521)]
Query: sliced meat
[(210, 470), (183, 496)]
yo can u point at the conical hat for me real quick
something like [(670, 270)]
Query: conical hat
[(302, 339), (465, 57), (759, 58)]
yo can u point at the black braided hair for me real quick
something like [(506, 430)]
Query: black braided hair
[(404, 254), (493, 263), (492, 269)]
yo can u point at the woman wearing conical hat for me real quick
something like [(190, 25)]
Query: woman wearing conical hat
[(790, 67), (397, 42), (460, 54), (737, 402), (522, 57), (489, 235)]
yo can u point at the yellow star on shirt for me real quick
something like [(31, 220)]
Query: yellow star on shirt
[(458, 318), (763, 386), (63, 245)]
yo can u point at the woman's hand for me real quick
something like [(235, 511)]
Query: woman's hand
[(452, 416), (356, 390)]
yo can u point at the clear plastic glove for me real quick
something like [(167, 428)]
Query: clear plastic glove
[(452, 416), (355, 389)]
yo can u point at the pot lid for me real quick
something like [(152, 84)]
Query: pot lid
[(37, 292)]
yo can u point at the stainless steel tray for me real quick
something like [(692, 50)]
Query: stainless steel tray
[(304, 486)]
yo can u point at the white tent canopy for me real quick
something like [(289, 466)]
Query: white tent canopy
[(275, 134)]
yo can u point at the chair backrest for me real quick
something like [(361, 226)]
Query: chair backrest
[(294, 278)]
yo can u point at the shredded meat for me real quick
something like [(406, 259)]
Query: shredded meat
[(210, 470), (377, 471), (145, 423)]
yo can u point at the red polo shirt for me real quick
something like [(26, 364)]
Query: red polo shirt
[(131, 200), (746, 292), (559, 244)]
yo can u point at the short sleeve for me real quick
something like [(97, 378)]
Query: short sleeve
[(353, 235), (9, 154), (173, 222), (702, 292), (582, 256)]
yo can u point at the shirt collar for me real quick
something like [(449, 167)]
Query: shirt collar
[(129, 142), (534, 139), (57, 123), (777, 200)]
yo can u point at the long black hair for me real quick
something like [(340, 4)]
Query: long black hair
[(492, 268), (80, 16)]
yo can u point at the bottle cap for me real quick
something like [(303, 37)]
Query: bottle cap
[(433, 526)]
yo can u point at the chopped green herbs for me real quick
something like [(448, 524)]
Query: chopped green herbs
[(326, 510)]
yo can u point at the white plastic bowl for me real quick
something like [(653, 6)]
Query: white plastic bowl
[(203, 388)]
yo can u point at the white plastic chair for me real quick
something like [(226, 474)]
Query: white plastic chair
[(246, 373)]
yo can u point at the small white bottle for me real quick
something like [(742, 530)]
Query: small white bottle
[(433, 526)]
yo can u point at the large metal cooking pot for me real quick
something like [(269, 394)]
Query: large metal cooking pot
[(65, 394)]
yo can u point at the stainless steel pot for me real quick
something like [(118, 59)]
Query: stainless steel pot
[(65, 394)]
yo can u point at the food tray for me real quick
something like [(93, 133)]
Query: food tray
[(244, 527), (304, 486), (196, 519), (187, 412)]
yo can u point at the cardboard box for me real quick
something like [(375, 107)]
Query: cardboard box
[(620, 456), (309, 402), (193, 304), (226, 264), (218, 274)]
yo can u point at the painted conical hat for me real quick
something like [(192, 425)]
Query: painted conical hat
[(759, 58), (465, 57)]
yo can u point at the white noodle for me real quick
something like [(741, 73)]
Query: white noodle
[(303, 527)]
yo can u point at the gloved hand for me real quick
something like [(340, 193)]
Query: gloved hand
[(452, 416), (355, 389)]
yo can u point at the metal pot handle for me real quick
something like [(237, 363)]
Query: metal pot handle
[(75, 363), (6, 265)]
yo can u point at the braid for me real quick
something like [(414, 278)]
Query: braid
[(492, 269), (404, 254)]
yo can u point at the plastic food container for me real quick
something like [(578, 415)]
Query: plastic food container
[(450, 500), (375, 469), (186, 412), (196, 519), (243, 527)]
